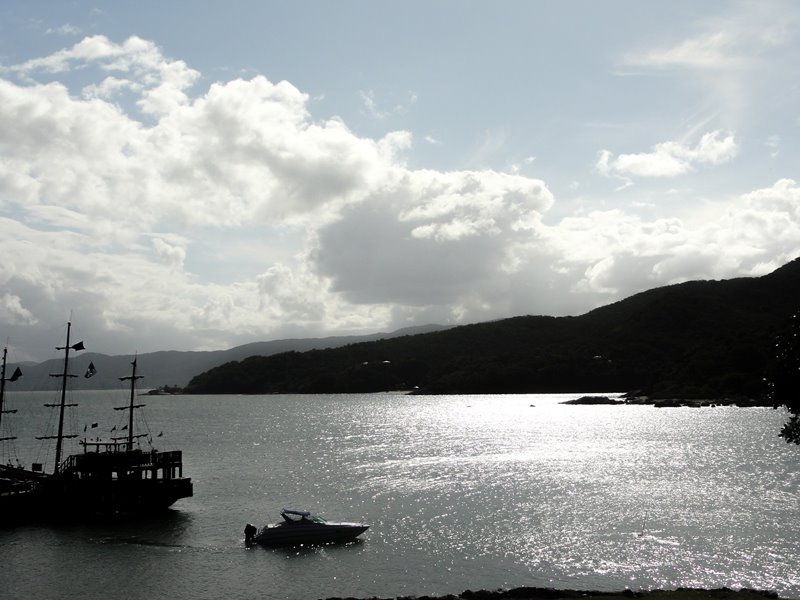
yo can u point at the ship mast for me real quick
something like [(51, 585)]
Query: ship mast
[(133, 377), (60, 437), (16, 375)]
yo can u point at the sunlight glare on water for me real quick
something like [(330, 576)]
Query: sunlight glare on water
[(460, 492)]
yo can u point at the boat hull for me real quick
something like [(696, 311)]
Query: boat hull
[(294, 534)]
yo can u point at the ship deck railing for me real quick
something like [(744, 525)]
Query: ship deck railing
[(19, 474), (168, 464)]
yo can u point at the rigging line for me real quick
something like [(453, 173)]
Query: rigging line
[(146, 424), (44, 446)]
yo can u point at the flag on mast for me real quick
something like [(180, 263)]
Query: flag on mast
[(90, 370)]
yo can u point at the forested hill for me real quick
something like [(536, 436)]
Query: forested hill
[(173, 367), (702, 338)]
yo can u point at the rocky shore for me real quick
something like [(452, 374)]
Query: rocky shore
[(532, 593), (643, 399)]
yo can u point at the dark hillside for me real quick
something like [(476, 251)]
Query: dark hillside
[(176, 368), (700, 338)]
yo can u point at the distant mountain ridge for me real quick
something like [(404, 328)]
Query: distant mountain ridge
[(173, 367), (694, 339)]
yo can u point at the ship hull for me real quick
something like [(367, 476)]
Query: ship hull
[(95, 485), (87, 498), (59, 500)]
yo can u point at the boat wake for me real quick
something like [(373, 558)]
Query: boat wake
[(657, 540), (140, 542)]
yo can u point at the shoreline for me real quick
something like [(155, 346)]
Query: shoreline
[(534, 593), (636, 399)]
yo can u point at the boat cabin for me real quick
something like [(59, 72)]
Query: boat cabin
[(111, 459)]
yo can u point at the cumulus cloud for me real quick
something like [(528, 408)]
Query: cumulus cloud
[(12, 311), (428, 237), (669, 159), (245, 151), (162, 83), (172, 254), (752, 235)]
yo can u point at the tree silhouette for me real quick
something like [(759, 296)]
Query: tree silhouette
[(784, 385)]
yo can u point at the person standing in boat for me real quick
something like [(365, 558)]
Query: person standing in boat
[(249, 533)]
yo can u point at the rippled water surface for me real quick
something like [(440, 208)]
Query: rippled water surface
[(460, 492)]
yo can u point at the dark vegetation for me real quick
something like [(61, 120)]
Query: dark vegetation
[(174, 369), (784, 377), (701, 339)]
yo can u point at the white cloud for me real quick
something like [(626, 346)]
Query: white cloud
[(723, 64), (430, 238), (373, 110), (669, 159), (161, 82), (66, 29), (12, 311), (368, 99), (95, 48), (738, 39), (171, 254), (774, 144), (662, 162), (243, 153), (491, 142), (753, 235), (718, 49), (110, 87)]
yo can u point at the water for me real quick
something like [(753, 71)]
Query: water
[(461, 492)]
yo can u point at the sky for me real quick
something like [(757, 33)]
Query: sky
[(198, 175)]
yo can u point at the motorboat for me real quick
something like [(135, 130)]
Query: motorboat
[(302, 527)]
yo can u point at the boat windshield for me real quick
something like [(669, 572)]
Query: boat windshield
[(296, 516)]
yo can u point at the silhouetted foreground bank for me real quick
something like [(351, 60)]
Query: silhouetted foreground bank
[(531, 593)]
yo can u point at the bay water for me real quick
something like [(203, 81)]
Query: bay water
[(460, 492)]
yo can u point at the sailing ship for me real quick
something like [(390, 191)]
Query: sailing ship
[(110, 477), (16, 488)]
